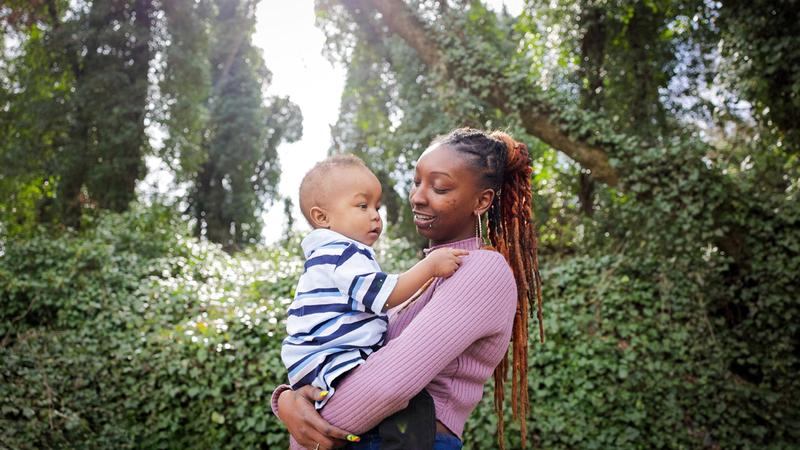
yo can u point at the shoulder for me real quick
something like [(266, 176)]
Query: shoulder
[(326, 242), (485, 269), (326, 254), (483, 288), (355, 253), (488, 263)]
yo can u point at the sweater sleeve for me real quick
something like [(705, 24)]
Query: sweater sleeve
[(479, 300)]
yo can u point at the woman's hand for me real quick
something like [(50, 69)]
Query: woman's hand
[(296, 410)]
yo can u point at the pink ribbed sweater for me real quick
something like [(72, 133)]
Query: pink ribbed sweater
[(449, 341)]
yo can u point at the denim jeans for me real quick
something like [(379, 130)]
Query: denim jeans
[(371, 441)]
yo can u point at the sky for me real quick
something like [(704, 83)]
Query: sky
[(292, 47)]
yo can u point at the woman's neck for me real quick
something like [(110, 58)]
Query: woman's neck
[(443, 242), (468, 243)]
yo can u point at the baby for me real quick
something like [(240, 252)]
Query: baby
[(338, 316)]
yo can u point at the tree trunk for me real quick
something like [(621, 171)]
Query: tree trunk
[(591, 71)]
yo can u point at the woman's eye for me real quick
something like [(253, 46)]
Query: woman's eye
[(439, 191)]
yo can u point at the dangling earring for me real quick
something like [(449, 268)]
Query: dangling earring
[(479, 230)]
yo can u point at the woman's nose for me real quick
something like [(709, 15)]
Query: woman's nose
[(416, 196)]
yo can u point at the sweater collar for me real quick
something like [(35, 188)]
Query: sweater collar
[(464, 244)]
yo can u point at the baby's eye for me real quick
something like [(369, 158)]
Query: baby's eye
[(362, 205), (416, 182)]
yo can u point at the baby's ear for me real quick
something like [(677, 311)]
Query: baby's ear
[(319, 217)]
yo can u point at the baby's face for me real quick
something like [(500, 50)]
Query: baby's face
[(353, 204)]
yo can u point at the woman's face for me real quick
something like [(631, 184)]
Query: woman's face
[(445, 196)]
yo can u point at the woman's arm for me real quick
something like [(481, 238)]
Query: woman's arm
[(478, 300)]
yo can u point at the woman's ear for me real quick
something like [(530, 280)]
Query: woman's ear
[(319, 217), (485, 198)]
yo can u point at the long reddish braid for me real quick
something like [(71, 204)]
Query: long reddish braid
[(505, 166)]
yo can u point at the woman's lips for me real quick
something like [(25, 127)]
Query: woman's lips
[(423, 220)]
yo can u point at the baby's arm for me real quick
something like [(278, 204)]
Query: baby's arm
[(442, 262)]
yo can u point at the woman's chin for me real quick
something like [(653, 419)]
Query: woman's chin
[(426, 232)]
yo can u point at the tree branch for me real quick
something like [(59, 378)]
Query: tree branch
[(401, 20)]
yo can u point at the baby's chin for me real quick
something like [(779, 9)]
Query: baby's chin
[(371, 238)]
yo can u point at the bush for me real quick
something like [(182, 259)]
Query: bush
[(131, 334), (632, 361)]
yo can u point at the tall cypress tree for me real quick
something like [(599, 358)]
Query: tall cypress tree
[(75, 104), (112, 89), (78, 95), (240, 173)]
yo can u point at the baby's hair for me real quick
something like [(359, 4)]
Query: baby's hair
[(504, 165), (313, 187)]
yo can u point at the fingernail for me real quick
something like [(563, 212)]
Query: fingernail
[(323, 393), (353, 438)]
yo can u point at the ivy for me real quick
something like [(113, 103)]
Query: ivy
[(702, 223), (135, 335)]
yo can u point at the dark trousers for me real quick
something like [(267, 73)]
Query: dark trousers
[(413, 428)]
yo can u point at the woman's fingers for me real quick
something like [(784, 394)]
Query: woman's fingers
[(314, 421), (312, 438), (311, 393), (322, 426)]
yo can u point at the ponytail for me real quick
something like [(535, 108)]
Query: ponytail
[(511, 231)]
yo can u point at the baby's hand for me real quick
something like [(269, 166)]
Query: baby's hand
[(445, 261)]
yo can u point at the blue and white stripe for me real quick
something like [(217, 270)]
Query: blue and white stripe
[(336, 319)]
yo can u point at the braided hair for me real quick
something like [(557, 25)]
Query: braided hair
[(504, 165)]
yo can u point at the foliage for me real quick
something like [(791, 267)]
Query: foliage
[(239, 175), (632, 361), (760, 42), (84, 85), (133, 334), (387, 124), (704, 203), (670, 296), (75, 99)]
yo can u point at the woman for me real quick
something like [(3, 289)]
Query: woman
[(457, 332)]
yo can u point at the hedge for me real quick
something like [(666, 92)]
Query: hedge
[(132, 334)]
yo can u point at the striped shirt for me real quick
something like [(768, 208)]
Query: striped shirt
[(336, 319)]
